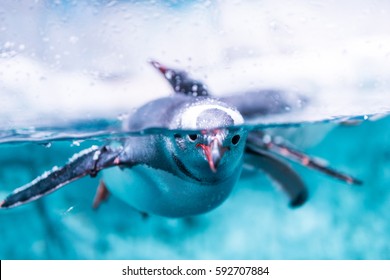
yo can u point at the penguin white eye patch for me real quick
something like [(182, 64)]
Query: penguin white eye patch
[(190, 116)]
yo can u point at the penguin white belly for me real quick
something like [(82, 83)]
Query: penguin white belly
[(158, 192)]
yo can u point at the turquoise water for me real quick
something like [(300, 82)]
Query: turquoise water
[(337, 222)]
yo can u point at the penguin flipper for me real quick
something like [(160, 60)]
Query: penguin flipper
[(180, 82), (260, 140), (87, 162), (281, 173)]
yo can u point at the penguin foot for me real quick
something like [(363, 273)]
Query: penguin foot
[(102, 194)]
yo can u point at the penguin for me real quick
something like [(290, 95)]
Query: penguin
[(188, 169), (174, 174)]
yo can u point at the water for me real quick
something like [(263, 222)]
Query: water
[(70, 72), (338, 221)]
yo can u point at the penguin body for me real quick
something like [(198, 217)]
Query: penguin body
[(169, 180), (158, 192)]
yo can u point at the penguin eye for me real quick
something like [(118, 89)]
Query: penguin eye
[(235, 139), (192, 137)]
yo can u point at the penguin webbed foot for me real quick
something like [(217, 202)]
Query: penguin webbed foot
[(102, 194)]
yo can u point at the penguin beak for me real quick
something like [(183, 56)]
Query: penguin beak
[(214, 152)]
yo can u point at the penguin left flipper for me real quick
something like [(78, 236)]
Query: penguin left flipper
[(87, 162), (280, 172), (259, 140)]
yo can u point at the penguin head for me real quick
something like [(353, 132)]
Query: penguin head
[(214, 148)]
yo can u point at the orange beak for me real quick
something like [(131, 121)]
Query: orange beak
[(213, 152)]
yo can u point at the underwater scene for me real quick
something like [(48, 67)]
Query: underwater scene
[(194, 130)]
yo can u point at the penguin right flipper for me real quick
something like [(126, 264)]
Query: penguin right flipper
[(280, 172), (87, 162)]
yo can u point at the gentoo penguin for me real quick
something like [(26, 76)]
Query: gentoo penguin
[(174, 174), (189, 169)]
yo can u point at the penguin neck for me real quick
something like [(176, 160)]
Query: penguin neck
[(164, 158)]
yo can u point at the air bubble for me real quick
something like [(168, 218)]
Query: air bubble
[(73, 39), (47, 145), (76, 143)]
